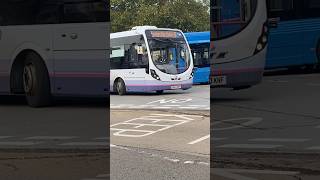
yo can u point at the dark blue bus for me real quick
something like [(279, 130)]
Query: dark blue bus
[(200, 44)]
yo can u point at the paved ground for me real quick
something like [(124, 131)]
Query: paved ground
[(68, 141), (196, 98), (161, 136), (274, 126)]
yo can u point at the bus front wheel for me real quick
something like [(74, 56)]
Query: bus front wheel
[(36, 82), (120, 87)]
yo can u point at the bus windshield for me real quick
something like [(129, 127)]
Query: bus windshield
[(230, 17), (169, 51)]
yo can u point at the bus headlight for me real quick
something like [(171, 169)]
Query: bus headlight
[(155, 75), (263, 39)]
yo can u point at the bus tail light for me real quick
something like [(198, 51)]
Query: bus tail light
[(154, 74)]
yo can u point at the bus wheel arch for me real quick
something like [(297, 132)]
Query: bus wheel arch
[(119, 86), (30, 65)]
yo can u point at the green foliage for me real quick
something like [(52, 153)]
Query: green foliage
[(187, 15)]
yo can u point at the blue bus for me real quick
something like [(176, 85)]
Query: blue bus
[(295, 42), (200, 44)]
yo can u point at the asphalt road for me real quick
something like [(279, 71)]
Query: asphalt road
[(161, 136), (67, 141), (273, 127), (196, 98)]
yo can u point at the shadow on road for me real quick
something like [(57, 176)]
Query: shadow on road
[(59, 101), (294, 71)]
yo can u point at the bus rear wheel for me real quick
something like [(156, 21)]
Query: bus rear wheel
[(36, 82), (120, 87)]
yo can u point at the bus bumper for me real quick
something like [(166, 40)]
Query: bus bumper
[(152, 86)]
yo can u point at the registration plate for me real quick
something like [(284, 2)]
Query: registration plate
[(175, 87), (219, 80)]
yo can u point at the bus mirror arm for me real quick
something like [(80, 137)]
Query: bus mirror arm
[(273, 22)]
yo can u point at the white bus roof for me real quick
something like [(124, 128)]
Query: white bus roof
[(138, 30)]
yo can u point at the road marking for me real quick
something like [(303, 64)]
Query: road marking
[(318, 126), (250, 146), (313, 84), (170, 101), (234, 174), (51, 137), (19, 143), (148, 125), (218, 139), (278, 140), (249, 121), (5, 137), (102, 138), (199, 140), (161, 107), (314, 148), (188, 107), (85, 144), (103, 176)]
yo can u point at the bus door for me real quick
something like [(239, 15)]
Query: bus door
[(80, 50)]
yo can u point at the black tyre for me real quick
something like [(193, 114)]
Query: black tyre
[(36, 81), (159, 92), (120, 87)]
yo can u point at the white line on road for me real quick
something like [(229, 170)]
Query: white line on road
[(250, 146), (279, 140), (51, 137), (5, 137), (218, 139), (313, 84), (19, 143), (234, 174), (314, 148), (85, 144), (199, 140)]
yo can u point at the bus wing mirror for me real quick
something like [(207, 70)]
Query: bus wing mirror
[(273, 22)]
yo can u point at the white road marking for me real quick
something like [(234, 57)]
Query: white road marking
[(313, 84), (279, 140), (318, 126), (199, 140), (51, 137), (188, 162), (103, 175), (234, 174), (170, 101), (218, 139), (204, 163), (5, 137), (19, 143), (161, 107), (102, 138), (249, 121), (85, 144), (188, 107), (250, 146), (171, 160), (313, 148), (148, 125)]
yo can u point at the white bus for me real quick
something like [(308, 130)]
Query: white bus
[(148, 58), (239, 42), (54, 48)]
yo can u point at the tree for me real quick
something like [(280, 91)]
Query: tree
[(187, 15)]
